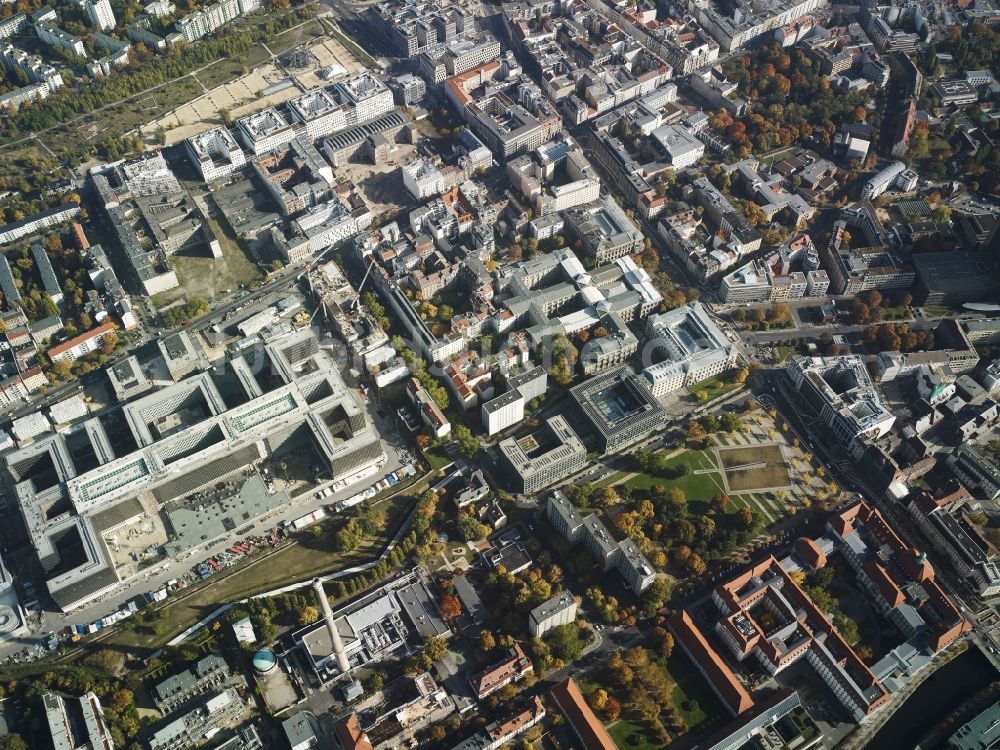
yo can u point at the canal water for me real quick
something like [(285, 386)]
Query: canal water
[(941, 693)]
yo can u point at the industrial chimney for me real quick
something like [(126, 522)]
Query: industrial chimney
[(338, 645)]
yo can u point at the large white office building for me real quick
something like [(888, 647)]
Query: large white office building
[(264, 131), (850, 403), (690, 346)]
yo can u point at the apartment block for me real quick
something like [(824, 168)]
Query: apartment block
[(556, 611), (215, 153)]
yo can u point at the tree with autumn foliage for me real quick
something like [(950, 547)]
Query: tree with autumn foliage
[(451, 607)]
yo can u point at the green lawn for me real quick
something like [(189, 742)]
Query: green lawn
[(633, 735), (694, 486), (438, 458), (692, 696), (896, 313), (710, 389), (783, 353)]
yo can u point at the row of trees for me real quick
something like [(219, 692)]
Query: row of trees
[(897, 337), (416, 363)]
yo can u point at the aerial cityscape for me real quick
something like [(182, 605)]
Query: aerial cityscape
[(499, 374)]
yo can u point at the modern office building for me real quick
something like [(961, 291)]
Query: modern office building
[(549, 453), (73, 489), (949, 526), (604, 229), (844, 389), (956, 278), (620, 406), (264, 131), (215, 153)]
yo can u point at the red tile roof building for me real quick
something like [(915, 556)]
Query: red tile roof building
[(349, 736), (587, 727), (83, 344), (720, 677), (766, 615), (897, 575), (498, 675)]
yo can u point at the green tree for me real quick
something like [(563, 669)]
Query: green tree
[(12, 742), (467, 443), (565, 642)]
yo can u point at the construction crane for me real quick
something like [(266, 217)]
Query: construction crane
[(357, 300)]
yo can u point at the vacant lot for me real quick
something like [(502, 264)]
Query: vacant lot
[(293, 562), (756, 467), (203, 277)]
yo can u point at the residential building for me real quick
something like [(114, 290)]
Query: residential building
[(745, 22), (99, 13), (202, 22), (43, 220), (178, 690), (558, 610), (499, 733), (56, 37), (511, 668), (215, 153), (430, 413), (47, 274), (76, 722), (624, 557), (81, 345), (976, 471)]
